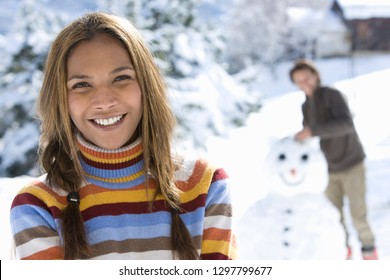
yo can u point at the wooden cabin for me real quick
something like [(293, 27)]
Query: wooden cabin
[(368, 23)]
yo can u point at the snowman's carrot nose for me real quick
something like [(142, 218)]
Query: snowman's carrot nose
[(293, 172)]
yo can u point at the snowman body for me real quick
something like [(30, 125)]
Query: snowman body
[(295, 220)]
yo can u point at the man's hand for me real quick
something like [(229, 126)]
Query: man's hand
[(304, 134)]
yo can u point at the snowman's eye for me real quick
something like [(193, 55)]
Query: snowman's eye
[(282, 157), (305, 157)]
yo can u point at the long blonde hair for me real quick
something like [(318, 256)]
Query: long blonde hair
[(58, 145)]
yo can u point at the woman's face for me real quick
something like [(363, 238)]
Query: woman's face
[(104, 97), (306, 80)]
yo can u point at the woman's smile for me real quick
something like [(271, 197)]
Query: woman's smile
[(109, 122)]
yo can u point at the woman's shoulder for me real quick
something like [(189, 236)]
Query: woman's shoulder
[(193, 166), (37, 189), (197, 173)]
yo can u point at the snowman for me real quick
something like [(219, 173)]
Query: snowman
[(295, 220)]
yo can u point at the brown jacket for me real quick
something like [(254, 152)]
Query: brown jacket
[(328, 116)]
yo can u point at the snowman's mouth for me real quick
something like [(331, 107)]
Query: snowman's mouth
[(288, 181)]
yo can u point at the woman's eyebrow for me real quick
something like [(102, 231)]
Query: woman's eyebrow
[(78, 76), (116, 70), (120, 69)]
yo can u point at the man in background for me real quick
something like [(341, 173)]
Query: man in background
[(326, 115)]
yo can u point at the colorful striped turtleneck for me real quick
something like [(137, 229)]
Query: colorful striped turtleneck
[(115, 208)]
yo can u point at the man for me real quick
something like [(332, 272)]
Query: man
[(326, 115)]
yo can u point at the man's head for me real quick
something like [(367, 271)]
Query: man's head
[(306, 76)]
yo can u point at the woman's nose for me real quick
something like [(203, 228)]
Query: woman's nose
[(104, 99)]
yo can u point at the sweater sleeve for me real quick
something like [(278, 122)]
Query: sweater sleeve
[(339, 121), (34, 227), (218, 238)]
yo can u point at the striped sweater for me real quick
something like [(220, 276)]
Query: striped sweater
[(114, 206)]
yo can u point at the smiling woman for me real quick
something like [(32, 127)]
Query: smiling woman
[(105, 101), (113, 188)]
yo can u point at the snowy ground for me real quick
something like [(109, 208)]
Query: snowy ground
[(243, 152)]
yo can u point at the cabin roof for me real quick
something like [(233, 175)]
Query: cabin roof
[(364, 9)]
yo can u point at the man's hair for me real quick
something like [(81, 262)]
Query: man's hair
[(304, 64)]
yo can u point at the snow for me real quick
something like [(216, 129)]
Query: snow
[(245, 150), (183, 51), (294, 175), (212, 104), (363, 9), (242, 151), (365, 2)]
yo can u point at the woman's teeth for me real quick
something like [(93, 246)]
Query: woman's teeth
[(109, 121)]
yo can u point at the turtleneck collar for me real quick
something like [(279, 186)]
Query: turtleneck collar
[(115, 169)]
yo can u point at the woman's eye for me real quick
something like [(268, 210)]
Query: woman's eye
[(80, 85), (122, 78)]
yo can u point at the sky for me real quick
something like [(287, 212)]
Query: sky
[(242, 152)]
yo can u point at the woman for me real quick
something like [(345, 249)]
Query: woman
[(112, 187)]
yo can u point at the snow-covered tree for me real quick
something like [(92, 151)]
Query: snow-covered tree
[(165, 24), (315, 4), (24, 48), (206, 100), (187, 47), (255, 33)]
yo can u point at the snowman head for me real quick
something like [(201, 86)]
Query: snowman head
[(293, 167)]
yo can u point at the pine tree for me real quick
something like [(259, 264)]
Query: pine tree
[(255, 33), (187, 47), (19, 85), (167, 25)]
